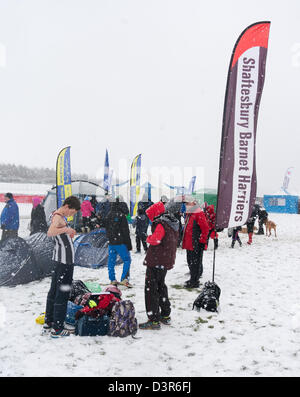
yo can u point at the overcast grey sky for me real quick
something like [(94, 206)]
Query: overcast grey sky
[(142, 76)]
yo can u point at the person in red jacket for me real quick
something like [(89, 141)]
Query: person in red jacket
[(194, 240), (160, 258)]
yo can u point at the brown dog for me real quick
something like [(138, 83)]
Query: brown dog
[(244, 229), (269, 226)]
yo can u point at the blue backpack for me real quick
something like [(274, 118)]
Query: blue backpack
[(72, 309)]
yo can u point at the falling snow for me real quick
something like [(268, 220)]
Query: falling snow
[(256, 332)]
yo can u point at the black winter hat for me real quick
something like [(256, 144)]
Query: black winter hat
[(9, 195)]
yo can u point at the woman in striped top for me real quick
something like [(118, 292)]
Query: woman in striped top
[(63, 256)]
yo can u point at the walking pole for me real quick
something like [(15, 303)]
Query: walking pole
[(214, 259)]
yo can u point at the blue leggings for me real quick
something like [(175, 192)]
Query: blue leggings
[(122, 251)]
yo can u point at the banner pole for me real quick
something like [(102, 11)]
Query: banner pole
[(214, 259)]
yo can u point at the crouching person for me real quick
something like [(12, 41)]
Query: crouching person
[(159, 259)]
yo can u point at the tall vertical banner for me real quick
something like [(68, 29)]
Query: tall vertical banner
[(135, 180), (237, 168), (63, 177), (106, 181), (286, 180)]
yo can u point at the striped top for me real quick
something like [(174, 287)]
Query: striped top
[(64, 249)]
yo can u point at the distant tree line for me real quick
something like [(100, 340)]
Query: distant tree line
[(20, 173)]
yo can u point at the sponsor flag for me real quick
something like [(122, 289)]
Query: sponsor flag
[(106, 178), (135, 179), (286, 180), (237, 168), (63, 177)]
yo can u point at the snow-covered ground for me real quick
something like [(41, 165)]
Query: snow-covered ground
[(256, 332)]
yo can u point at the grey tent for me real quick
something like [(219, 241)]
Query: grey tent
[(91, 250), (25, 260), (42, 249), (17, 263), (80, 189)]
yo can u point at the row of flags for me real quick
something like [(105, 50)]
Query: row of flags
[(64, 186), (237, 167), (64, 183)]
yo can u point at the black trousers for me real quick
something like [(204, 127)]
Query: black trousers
[(235, 237), (250, 227), (58, 295), (141, 238), (194, 260), (261, 226), (156, 294)]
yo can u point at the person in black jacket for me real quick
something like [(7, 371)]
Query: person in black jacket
[(262, 217), (123, 205), (38, 221), (141, 223), (117, 232)]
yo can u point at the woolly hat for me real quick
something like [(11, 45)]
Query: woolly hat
[(114, 290), (36, 201)]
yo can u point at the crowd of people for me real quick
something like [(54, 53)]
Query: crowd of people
[(174, 223)]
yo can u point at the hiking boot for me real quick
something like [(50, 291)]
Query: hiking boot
[(166, 320), (126, 283), (150, 325), (114, 282), (191, 284), (59, 333)]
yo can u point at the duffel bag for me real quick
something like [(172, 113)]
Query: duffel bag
[(91, 326)]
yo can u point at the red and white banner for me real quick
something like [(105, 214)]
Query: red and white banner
[(237, 170)]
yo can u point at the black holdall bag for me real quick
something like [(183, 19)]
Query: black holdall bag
[(92, 326), (208, 298)]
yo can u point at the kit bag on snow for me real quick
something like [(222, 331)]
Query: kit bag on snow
[(208, 298), (78, 291), (122, 320), (92, 326)]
